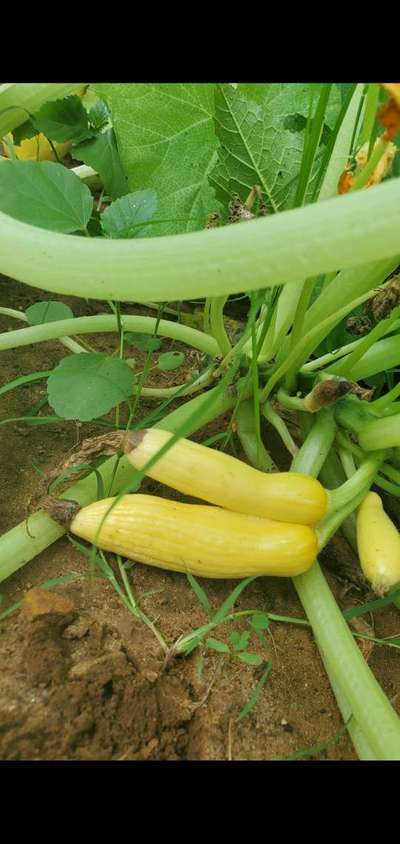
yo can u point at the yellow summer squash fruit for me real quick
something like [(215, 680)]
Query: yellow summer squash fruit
[(378, 542), (196, 538), (38, 149), (223, 480)]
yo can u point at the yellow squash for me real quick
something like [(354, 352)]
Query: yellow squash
[(196, 538), (378, 542), (223, 480), (38, 149)]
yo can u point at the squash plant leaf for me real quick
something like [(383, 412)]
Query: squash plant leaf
[(261, 129), (45, 194), (63, 120), (24, 132), (101, 153), (123, 217), (50, 311), (88, 385), (99, 115), (167, 142), (143, 342), (170, 360)]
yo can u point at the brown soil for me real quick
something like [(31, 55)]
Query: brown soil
[(81, 678)]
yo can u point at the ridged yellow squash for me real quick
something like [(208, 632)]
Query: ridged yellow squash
[(196, 538), (223, 480)]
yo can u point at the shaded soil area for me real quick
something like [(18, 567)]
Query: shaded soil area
[(81, 678)]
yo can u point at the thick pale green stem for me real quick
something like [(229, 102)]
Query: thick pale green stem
[(68, 342), (218, 329), (268, 251), (251, 444), (106, 323), (381, 433), (331, 357), (359, 692)]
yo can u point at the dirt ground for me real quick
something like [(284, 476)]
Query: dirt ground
[(82, 679)]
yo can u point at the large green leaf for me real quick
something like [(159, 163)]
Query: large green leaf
[(294, 98), (166, 141), (101, 153), (45, 194), (261, 129)]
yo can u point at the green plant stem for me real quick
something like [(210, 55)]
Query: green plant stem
[(331, 357), (339, 232), (297, 328), (367, 171), (181, 390), (313, 133), (359, 692), (317, 444), (277, 422), (342, 144), (106, 323), (384, 402), (332, 476), (253, 448), (88, 176), (18, 547), (371, 105), (360, 482), (346, 443), (217, 326), (68, 342), (380, 433), (382, 356), (290, 402)]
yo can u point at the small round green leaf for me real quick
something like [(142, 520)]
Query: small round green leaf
[(143, 342), (86, 386), (49, 311), (170, 360), (250, 659)]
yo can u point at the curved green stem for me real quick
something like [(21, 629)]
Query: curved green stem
[(380, 433), (268, 251), (331, 357), (290, 402), (252, 446), (383, 403), (200, 383), (358, 483), (107, 323), (277, 422), (367, 171), (68, 342), (317, 444), (217, 325)]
